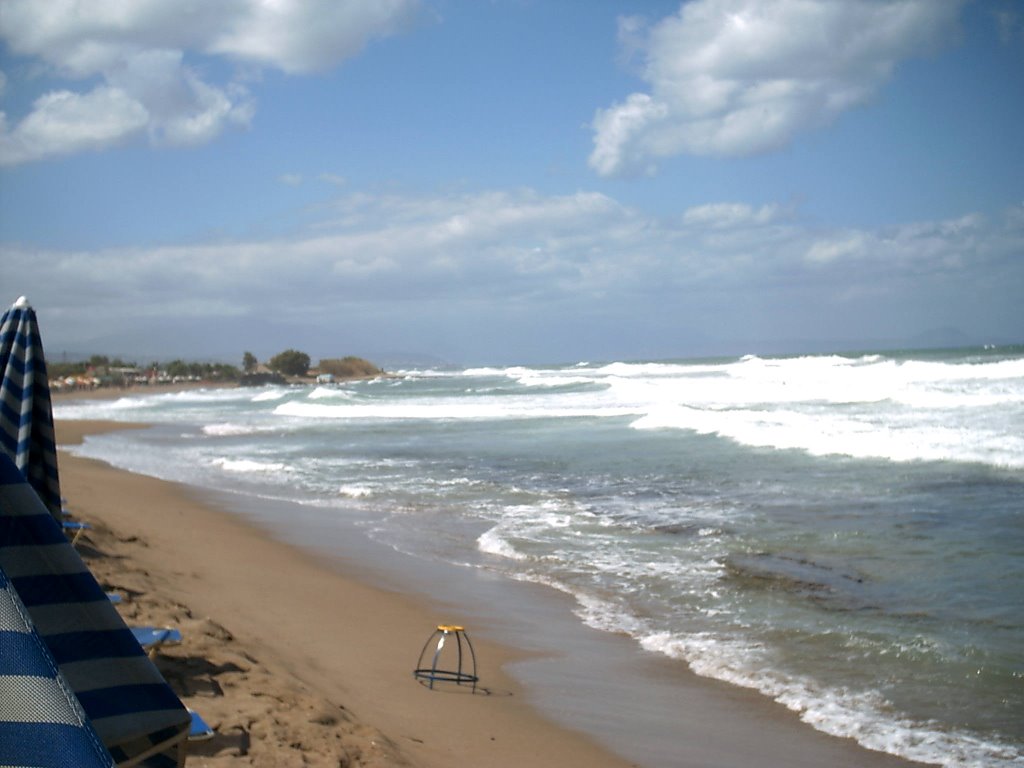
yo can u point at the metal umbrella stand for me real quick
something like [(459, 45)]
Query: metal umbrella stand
[(448, 664)]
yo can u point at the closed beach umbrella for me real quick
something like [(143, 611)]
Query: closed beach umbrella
[(138, 718), (26, 415)]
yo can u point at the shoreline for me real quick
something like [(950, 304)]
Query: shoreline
[(267, 624), (546, 696)]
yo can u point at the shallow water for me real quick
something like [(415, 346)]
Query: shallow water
[(844, 534)]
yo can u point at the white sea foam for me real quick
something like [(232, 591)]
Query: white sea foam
[(119, 409), (634, 370), (248, 465), (864, 408), (491, 542), (845, 435), (484, 372), (442, 410), (604, 614), (547, 380), (269, 395), (355, 491), (330, 393), (228, 429), (201, 395)]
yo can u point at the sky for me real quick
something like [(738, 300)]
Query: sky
[(512, 181)]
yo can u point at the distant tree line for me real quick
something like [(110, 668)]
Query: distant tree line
[(103, 367), (210, 371), (81, 367), (291, 362)]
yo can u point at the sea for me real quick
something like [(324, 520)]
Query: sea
[(841, 533)]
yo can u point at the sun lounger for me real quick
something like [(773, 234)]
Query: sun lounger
[(153, 638), (199, 731), (77, 527)]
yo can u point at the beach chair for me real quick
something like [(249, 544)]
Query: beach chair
[(151, 639), (137, 717), (74, 529), (199, 730)]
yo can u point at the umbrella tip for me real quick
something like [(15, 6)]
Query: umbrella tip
[(21, 303)]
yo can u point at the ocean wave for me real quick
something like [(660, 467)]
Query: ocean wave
[(655, 370), (491, 542), (448, 410), (864, 716), (355, 491), (269, 395), (857, 436), (228, 429), (489, 372), (329, 393), (248, 465), (202, 395), (120, 409), (557, 382)]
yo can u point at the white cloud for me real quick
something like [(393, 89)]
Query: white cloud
[(184, 110), (516, 245), (204, 114), (929, 247), (141, 51), (735, 77), (615, 129), (424, 268), (300, 37), (841, 247), (722, 215), (82, 36), (62, 122)]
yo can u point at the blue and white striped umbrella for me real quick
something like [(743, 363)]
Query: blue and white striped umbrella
[(26, 415), (137, 716), (41, 722)]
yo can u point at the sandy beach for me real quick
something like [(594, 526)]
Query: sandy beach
[(295, 660)]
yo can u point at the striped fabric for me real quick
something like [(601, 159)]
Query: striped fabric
[(41, 722), (26, 415), (132, 709)]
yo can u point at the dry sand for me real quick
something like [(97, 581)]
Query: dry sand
[(296, 662)]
